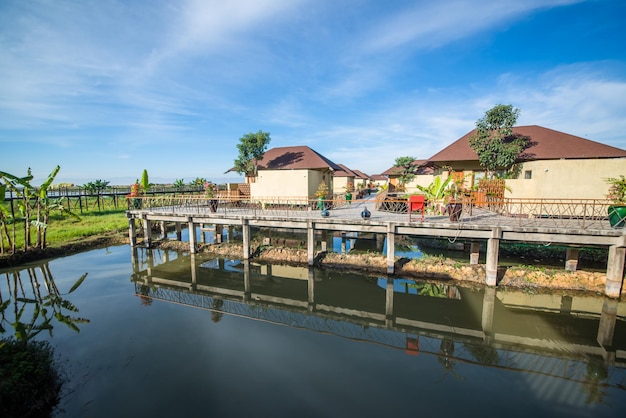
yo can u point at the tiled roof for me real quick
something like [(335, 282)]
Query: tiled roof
[(546, 144), (361, 174), (344, 172), (424, 168), (294, 158)]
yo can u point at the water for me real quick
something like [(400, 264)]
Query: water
[(169, 334)]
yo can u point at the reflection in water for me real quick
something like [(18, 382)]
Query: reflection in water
[(576, 341), (32, 304)]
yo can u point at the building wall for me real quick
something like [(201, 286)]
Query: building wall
[(422, 180), (567, 179), (340, 184), (289, 183)]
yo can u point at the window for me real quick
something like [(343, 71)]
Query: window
[(528, 174)]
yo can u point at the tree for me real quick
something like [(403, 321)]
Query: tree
[(407, 169), (494, 142), (251, 148)]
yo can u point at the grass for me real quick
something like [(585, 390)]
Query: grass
[(64, 229)]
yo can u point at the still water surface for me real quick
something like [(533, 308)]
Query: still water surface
[(166, 334)]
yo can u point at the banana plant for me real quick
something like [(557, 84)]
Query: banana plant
[(435, 191), (22, 188)]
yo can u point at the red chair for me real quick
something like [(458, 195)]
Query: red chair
[(416, 204)]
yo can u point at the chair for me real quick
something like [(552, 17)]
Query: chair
[(416, 203)]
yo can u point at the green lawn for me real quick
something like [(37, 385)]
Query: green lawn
[(62, 229)]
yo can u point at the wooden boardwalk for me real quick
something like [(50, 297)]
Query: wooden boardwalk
[(476, 225)]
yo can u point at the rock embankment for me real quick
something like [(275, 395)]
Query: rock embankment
[(436, 268)]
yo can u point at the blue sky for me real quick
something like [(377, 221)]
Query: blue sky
[(108, 88)]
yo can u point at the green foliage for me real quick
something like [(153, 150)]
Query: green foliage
[(179, 183), (251, 148), (617, 190), (30, 384), (494, 142), (97, 186), (322, 190), (145, 183), (407, 169)]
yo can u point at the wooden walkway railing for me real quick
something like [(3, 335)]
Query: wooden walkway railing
[(548, 213)]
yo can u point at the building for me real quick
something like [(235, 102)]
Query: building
[(555, 165)]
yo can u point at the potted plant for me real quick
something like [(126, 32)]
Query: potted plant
[(135, 193), (322, 193), (454, 205), (349, 189), (210, 192), (617, 196)]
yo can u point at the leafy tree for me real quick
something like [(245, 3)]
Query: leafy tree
[(494, 142), (251, 148), (407, 169)]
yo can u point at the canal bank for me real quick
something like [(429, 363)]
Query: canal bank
[(439, 268)]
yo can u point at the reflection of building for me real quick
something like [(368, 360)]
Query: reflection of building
[(373, 309)]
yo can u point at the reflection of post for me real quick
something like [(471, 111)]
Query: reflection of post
[(311, 289), (194, 271), (389, 303), (606, 328), (246, 280), (489, 303), (150, 260), (134, 258)]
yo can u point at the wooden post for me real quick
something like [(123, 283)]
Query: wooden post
[(391, 242), (179, 231), (132, 232), (310, 242), (147, 231), (493, 248), (474, 252), (615, 271), (571, 259), (192, 235), (245, 225)]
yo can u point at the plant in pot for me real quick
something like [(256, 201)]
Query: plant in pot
[(322, 193), (135, 194), (349, 189), (210, 192), (617, 196), (454, 207)]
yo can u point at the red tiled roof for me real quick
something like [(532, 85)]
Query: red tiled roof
[(546, 144), (294, 158)]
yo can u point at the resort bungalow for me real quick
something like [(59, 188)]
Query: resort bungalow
[(343, 180), (423, 177), (555, 165), (292, 172)]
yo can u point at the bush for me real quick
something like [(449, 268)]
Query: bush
[(30, 384)]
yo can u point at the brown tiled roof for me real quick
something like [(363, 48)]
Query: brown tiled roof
[(361, 174), (344, 172), (294, 158), (424, 168), (546, 144)]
